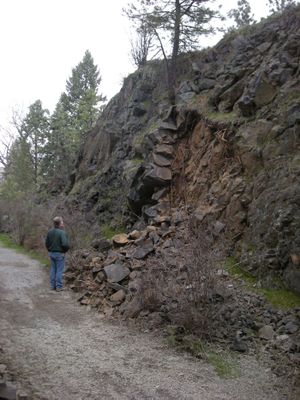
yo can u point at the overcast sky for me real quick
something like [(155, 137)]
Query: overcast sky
[(42, 40)]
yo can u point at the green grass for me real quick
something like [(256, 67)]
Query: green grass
[(7, 242), (108, 232), (280, 298), (221, 117), (233, 268), (224, 362)]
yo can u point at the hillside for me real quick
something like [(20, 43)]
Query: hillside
[(227, 152)]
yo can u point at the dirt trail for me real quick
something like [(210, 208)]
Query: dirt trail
[(64, 352)]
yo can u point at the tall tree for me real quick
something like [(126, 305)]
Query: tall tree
[(34, 129), (59, 149), (19, 176), (179, 21), (242, 14), (75, 114), (81, 100)]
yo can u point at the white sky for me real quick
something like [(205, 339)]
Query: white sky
[(42, 40)]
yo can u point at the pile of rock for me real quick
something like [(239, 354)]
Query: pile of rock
[(109, 277), (111, 280)]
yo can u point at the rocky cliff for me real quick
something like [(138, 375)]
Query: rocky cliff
[(228, 151)]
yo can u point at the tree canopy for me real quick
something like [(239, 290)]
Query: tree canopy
[(176, 22)]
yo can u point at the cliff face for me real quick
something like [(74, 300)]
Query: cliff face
[(228, 150)]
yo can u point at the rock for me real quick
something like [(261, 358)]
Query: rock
[(121, 239), (170, 126), (97, 268), (204, 84), (138, 111), (118, 297), (101, 244), (239, 345), (291, 327), (146, 247), (100, 277), (246, 106), (116, 272), (134, 235), (264, 92), (161, 161), (158, 176), (230, 96), (150, 212), (158, 195), (96, 260), (164, 149), (218, 228), (284, 342), (117, 286), (266, 332)]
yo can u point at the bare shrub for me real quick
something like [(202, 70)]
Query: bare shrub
[(200, 290), (188, 293)]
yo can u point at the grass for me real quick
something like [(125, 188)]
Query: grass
[(7, 242), (280, 298), (222, 117), (108, 232), (224, 362)]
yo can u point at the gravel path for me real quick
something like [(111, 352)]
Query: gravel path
[(64, 352)]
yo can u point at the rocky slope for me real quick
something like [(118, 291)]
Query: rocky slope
[(228, 149)]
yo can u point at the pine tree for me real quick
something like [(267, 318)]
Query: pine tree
[(35, 129), (19, 175), (81, 99), (180, 22), (59, 149), (75, 114)]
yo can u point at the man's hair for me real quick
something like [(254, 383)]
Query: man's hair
[(57, 221)]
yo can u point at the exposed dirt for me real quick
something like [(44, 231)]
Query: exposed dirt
[(61, 351)]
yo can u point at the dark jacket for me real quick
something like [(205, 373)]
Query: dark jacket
[(57, 241)]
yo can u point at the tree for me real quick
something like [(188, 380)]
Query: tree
[(141, 46), (19, 177), (242, 15), (280, 5), (34, 130), (81, 99), (179, 21), (75, 114)]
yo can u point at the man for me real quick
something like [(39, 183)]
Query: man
[(57, 244)]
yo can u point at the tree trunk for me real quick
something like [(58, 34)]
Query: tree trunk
[(173, 67)]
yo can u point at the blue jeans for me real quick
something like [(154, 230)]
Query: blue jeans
[(56, 269)]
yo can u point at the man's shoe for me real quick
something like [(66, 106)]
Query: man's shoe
[(52, 288), (59, 289)]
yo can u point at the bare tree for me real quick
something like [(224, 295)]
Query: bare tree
[(141, 46), (6, 140)]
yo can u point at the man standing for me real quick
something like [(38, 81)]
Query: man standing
[(57, 244)]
